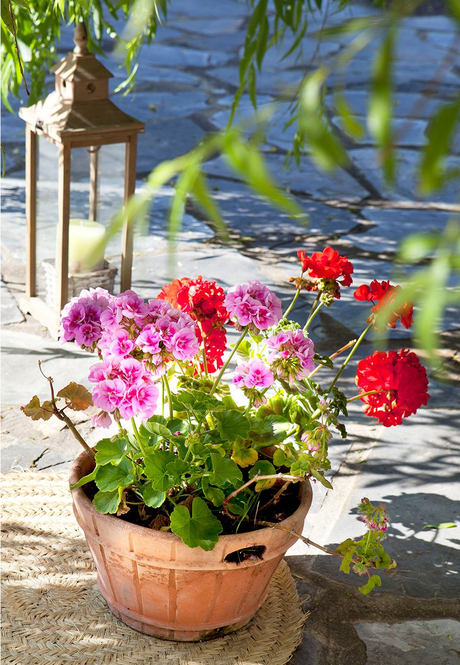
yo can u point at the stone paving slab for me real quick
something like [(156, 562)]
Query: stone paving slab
[(404, 103), (207, 9), (166, 140), (164, 55), (393, 225), (253, 218), (268, 83), (228, 43), (409, 641), (410, 133), (20, 373), (10, 312), (208, 26), (305, 179), (365, 160), (154, 106)]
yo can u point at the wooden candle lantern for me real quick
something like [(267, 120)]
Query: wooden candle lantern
[(78, 118)]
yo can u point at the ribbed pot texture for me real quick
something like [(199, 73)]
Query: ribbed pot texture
[(159, 586)]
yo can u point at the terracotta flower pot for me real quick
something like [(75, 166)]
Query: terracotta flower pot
[(159, 586)]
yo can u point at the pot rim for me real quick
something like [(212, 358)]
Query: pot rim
[(79, 496)]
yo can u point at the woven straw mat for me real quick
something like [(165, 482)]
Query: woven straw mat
[(53, 613)]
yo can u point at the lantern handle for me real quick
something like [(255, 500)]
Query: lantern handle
[(80, 38)]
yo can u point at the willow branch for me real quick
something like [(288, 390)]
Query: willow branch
[(16, 47)]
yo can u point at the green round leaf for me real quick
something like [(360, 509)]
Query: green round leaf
[(200, 529)]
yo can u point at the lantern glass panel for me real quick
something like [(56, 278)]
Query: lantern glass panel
[(47, 216), (96, 194)]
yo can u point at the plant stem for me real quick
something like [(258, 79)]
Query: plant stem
[(205, 362), (138, 436), (369, 392), (349, 357), (313, 307), (294, 300), (312, 316), (168, 390), (334, 355), (62, 416), (257, 477), (307, 541), (59, 413), (226, 364)]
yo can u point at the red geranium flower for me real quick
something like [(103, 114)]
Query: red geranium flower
[(401, 383), (203, 301), (327, 265), (382, 294)]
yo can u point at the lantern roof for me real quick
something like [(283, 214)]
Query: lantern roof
[(79, 108), (81, 68)]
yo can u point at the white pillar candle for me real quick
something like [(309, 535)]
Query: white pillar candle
[(86, 246)]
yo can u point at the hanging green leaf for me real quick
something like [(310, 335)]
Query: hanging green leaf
[(111, 451), (200, 529), (224, 472), (381, 103), (441, 525), (153, 497), (110, 477), (107, 502), (350, 123), (232, 424), (327, 150), (441, 132), (249, 163), (155, 466), (374, 580)]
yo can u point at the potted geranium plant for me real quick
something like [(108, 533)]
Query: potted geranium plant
[(190, 506)]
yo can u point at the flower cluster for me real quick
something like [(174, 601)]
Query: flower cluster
[(383, 294), (291, 354), (324, 270), (253, 378), (397, 382), (253, 374), (375, 518), (81, 317), (123, 388), (135, 339), (253, 305), (204, 301)]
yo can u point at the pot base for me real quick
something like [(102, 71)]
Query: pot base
[(176, 635), (195, 633)]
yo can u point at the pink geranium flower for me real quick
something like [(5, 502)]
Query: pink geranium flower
[(253, 374), (254, 305), (291, 354)]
